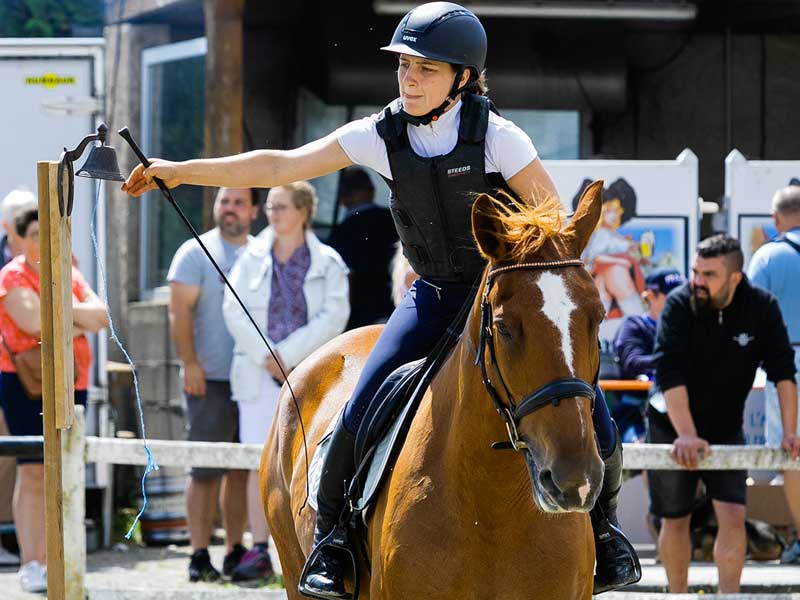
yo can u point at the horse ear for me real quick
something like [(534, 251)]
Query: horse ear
[(487, 227), (584, 221)]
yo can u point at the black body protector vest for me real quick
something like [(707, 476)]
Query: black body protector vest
[(431, 198)]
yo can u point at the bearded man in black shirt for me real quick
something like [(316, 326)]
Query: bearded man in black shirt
[(714, 332)]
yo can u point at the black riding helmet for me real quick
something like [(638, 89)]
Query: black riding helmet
[(445, 32)]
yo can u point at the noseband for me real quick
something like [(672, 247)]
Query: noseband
[(550, 393)]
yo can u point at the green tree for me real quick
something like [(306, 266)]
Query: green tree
[(48, 18)]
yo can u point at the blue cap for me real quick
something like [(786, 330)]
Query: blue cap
[(663, 280)]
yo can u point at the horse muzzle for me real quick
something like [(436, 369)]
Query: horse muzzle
[(567, 485)]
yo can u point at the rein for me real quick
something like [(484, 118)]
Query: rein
[(550, 393)]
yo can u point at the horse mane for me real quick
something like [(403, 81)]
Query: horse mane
[(523, 228)]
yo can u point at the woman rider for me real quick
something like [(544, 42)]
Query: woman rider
[(436, 145)]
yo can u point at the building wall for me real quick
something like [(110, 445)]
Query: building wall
[(695, 101), (270, 87)]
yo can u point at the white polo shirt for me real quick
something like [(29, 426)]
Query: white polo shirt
[(508, 148)]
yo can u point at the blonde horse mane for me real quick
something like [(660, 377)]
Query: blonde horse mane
[(524, 228)]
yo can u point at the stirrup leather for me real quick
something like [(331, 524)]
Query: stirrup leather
[(338, 540)]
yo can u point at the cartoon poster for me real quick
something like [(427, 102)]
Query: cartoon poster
[(649, 219), (749, 187)]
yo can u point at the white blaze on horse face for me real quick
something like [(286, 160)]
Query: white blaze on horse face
[(558, 306), (583, 491)]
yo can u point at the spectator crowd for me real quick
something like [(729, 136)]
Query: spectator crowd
[(298, 290)]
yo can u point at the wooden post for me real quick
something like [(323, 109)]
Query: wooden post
[(55, 273), (74, 473), (224, 87)]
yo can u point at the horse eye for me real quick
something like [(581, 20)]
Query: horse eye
[(502, 329)]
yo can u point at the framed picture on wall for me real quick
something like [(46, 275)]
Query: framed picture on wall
[(633, 235), (754, 231), (620, 258)]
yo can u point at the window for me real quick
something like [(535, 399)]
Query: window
[(555, 133), (173, 89)]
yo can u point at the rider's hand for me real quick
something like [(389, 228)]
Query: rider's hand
[(194, 379), (791, 443), (685, 450), (141, 180)]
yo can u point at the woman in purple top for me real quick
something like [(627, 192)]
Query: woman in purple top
[(296, 288)]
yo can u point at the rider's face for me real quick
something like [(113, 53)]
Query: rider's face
[(424, 84)]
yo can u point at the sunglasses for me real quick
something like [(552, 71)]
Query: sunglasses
[(276, 207)]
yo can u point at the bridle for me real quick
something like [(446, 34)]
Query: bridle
[(550, 393)]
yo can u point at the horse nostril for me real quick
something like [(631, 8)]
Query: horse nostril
[(546, 480)]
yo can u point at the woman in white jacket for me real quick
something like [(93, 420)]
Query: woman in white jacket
[(297, 290)]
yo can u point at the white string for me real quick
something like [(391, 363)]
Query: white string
[(151, 463)]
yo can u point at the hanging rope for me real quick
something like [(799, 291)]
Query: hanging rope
[(151, 463)]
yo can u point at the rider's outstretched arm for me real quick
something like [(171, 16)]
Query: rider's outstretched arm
[(258, 168)]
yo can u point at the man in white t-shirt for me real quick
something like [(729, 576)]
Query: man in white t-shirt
[(205, 349)]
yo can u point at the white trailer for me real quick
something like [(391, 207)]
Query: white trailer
[(51, 96)]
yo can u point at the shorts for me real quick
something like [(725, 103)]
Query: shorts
[(673, 493), (212, 418), (23, 415), (255, 417), (773, 426)]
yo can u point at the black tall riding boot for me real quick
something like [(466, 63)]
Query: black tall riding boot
[(325, 576), (617, 562)]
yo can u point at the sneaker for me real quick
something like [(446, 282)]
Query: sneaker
[(256, 564), (233, 558), (791, 556), (200, 567), (33, 577)]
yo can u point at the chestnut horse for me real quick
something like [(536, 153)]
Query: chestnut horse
[(456, 519)]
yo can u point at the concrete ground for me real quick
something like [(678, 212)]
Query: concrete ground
[(142, 572), (161, 573)]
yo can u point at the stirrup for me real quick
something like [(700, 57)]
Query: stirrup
[(611, 533), (338, 540)]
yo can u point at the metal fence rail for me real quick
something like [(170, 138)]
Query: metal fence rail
[(28, 446), (248, 456), (171, 453)]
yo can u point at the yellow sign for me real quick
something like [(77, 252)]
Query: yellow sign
[(50, 80)]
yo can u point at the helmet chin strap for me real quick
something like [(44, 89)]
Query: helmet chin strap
[(437, 112)]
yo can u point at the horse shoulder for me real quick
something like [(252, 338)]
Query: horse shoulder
[(409, 521), (322, 383)]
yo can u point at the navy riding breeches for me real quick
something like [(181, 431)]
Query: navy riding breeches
[(411, 333)]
